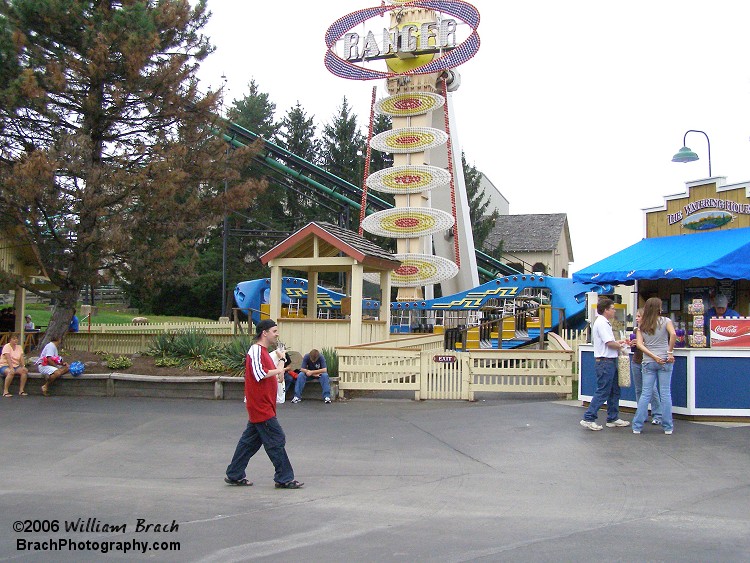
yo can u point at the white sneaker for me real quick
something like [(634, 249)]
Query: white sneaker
[(619, 422), (327, 400), (656, 421), (668, 432), (591, 425), (296, 400), (636, 431)]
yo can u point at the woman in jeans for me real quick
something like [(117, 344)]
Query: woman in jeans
[(636, 373), (655, 338)]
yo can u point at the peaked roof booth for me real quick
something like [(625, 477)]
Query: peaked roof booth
[(324, 247), (720, 255)]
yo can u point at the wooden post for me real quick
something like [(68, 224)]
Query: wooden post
[(275, 297), (355, 320)]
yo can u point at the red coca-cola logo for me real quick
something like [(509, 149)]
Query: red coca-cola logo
[(730, 332)]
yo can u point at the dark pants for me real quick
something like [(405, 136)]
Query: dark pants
[(289, 383), (270, 435), (607, 391)]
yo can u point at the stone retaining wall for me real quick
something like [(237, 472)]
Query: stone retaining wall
[(132, 385)]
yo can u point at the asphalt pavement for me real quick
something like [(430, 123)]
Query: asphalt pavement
[(509, 479)]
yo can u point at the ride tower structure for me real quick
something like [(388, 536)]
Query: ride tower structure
[(424, 42)]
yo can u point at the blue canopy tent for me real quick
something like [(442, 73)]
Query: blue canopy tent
[(719, 255)]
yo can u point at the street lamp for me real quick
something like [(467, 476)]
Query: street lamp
[(225, 224), (686, 155)]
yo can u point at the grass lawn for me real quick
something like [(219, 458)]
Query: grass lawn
[(40, 315)]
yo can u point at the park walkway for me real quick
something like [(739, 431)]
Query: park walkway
[(386, 480)]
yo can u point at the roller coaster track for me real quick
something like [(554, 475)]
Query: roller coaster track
[(302, 171)]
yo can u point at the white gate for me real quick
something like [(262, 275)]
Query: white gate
[(444, 375)]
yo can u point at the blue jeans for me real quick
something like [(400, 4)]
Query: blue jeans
[(289, 382), (636, 374), (269, 435), (325, 384), (607, 391), (653, 372)]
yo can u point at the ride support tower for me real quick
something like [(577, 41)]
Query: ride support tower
[(422, 44)]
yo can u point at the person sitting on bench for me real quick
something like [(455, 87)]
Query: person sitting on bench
[(313, 367), (290, 375), (51, 365)]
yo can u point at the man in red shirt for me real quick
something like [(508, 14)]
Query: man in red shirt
[(262, 376)]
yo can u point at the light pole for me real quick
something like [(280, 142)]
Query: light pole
[(686, 155), (225, 228)]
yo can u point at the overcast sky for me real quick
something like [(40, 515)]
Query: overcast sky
[(568, 107)]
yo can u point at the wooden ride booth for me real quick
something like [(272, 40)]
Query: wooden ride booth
[(324, 247)]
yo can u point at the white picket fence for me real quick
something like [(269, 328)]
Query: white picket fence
[(420, 365), (211, 327), (133, 339)]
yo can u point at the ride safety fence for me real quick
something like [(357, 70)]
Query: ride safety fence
[(423, 367)]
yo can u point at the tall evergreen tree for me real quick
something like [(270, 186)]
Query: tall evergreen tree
[(108, 160), (297, 135), (343, 148), (380, 160), (255, 111), (482, 218)]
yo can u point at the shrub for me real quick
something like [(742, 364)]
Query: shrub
[(232, 355), (191, 346), (167, 362), (161, 345), (332, 361), (121, 362), (212, 365)]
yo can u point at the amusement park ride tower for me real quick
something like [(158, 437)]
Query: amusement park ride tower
[(421, 45)]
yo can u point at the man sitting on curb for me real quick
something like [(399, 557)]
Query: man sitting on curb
[(51, 365), (313, 367), (290, 374)]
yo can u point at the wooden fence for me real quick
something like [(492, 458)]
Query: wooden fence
[(446, 374), (210, 327), (573, 339), (134, 339)]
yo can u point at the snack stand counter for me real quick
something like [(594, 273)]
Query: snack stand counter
[(697, 247)]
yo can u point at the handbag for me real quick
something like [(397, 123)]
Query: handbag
[(623, 369)]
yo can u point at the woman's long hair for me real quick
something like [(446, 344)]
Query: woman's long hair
[(651, 314)]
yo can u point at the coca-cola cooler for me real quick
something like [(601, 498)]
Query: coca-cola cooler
[(730, 332)]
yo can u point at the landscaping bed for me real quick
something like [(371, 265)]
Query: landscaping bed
[(142, 365)]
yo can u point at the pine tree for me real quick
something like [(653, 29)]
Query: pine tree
[(380, 160), (343, 145), (297, 135), (255, 112), (343, 148), (109, 161), (482, 221), (273, 211)]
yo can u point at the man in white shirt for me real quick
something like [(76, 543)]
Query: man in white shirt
[(51, 365), (606, 350)]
